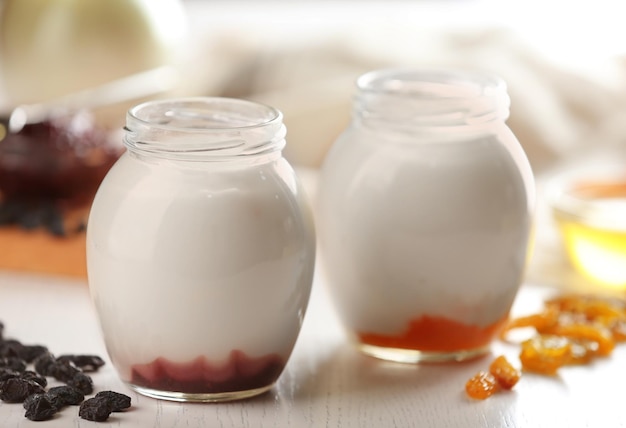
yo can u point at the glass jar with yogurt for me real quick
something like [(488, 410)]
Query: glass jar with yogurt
[(201, 250), (425, 212)]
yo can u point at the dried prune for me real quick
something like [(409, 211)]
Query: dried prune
[(87, 363), (82, 382), (31, 375), (31, 218), (29, 352), (30, 398), (9, 348), (16, 390), (39, 408), (15, 349), (95, 409), (55, 223), (9, 212), (8, 374), (64, 395), (19, 385), (118, 400), (13, 363), (44, 364), (63, 371)]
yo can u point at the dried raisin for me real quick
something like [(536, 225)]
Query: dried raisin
[(31, 375), (87, 363), (14, 348), (481, 386), (13, 363), (545, 354), (65, 395), (44, 363), (63, 371), (16, 390), (118, 401), (29, 352), (593, 333), (39, 408), (8, 374), (538, 321), (9, 348), (19, 385), (95, 409), (506, 375), (82, 382)]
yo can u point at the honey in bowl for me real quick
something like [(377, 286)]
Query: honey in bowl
[(591, 216)]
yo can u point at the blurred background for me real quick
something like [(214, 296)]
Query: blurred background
[(564, 63)]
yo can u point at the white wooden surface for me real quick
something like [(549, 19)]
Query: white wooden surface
[(326, 383)]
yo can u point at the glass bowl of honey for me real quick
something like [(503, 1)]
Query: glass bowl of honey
[(591, 217)]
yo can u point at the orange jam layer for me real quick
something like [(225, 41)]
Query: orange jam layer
[(437, 334)]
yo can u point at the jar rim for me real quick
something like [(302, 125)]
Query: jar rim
[(146, 113), (442, 82), (205, 128), (432, 98)]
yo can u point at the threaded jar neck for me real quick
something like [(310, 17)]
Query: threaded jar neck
[(205, 129), (430, 99)]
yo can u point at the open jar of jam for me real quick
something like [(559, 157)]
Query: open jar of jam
[(200, 251), (51, 168), (425, 206)]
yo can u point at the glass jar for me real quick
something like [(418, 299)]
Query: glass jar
[(425, 208), (201, 248)]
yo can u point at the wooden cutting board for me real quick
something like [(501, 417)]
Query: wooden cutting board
[(38, 251)]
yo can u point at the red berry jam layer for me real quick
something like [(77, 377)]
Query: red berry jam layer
[(239, 373)]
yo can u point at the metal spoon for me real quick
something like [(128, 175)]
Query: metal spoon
[(139, 85)]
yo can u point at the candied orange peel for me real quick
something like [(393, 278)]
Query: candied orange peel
[(570, 329), (481, 386), (504, 372), (501, 375)]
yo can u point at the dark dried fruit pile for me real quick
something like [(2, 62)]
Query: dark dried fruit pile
[(32, 214), (20, 385), (52, 168)]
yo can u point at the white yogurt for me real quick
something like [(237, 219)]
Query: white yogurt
[(431, 234), (191, 260), (423, 220)]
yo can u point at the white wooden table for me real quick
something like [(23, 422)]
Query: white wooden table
[(326, 383)]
